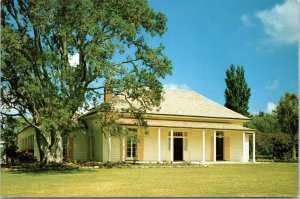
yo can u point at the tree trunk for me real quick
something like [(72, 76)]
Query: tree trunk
[(294, 151), (293, 142), (50, 149)]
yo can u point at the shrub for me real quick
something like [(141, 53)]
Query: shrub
[(26, 156), (264, 157), (273, 145), (10, 154)]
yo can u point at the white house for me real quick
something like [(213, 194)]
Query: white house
[(188, 127)]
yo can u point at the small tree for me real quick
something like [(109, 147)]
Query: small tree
[(237, 93), (287, 113)]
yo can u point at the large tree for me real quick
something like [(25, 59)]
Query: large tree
[(287, 113), (237, 93), (264, 123), (110, 37)]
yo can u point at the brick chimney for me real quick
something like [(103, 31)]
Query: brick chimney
[(107, 93)]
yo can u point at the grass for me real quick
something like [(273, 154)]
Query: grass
[(245, 180)]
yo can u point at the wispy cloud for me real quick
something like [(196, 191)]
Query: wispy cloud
[(174, 86), (280, 22), (247, 21), (274, 85), (270, 107)]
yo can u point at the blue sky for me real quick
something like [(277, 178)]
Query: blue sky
[(205, 36)]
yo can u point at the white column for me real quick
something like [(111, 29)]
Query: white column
[(215, 147), (203, 146), (109, 148), (253, 145), (158, 145), (243, 157), (123, 149), (171, 144)]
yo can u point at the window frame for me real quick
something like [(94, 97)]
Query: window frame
[(133, 152), (179, 134)]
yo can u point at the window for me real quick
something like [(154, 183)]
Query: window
[(131, 148), (185, 144), (183, 135), (178, 134)]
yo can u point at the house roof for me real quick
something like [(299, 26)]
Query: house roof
[(187, 103)]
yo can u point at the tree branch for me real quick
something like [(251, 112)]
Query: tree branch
[(127, 62), (21, 115), (95, 88)]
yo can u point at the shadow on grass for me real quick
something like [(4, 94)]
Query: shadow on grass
[(52, 172)]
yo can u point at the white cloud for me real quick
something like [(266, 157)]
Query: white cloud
[(247, 21), (173, 86), (254, 112), (274, 85), (74, 60), (270, 107), (281, 22)]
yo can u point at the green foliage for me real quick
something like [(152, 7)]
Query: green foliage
[(109, 36), (274, 145), (263, 156), (264, 122), (271, 139), (10, 126), (237, 93), (287, 114)]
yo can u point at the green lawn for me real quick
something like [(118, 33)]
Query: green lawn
[(246, 180)]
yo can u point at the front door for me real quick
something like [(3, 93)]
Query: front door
[(220, 150), (178, 149)]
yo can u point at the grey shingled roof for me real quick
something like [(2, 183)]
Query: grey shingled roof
[(189, 103)]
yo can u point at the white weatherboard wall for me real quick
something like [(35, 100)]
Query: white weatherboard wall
[(105, 148), (80, 146), (193, 152), (115, 152), (97, 139), (150, 145), (236, 146), (98, 145), (28, 132), (194, 146), (208, 134), (165, 153), (246, 152), (186, 153), (115, 148)]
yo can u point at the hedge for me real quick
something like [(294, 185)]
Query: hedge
[(275, 146)]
